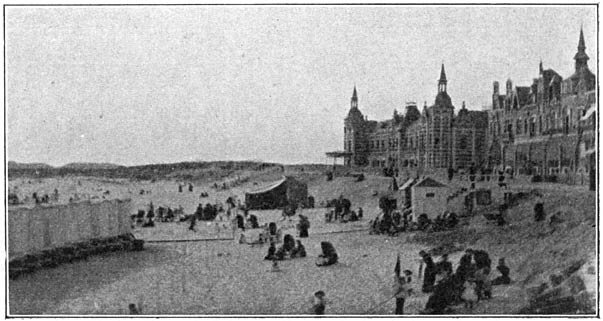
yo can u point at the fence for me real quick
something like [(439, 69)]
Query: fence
[(44, 227)]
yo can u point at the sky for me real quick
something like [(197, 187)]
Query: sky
[(137, 85)]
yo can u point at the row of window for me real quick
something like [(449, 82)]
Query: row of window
[(380, 144), (551, 123)]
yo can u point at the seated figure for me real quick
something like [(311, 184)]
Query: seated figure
[(286, 250), (328, 255), (299, 250)]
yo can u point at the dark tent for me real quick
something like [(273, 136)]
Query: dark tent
[(287, 191)]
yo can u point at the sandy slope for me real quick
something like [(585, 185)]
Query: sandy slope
[(222, 277)]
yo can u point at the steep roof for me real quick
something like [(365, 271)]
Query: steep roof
[(442, 74), (269, 187), (355, 114)]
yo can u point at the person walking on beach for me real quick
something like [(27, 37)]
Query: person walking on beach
[(402, 290), (429, 274)]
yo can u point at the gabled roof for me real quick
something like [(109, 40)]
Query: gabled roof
[(429, 182), (407, 184)]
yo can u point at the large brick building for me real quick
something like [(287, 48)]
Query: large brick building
[(431, 139), (547, 127)]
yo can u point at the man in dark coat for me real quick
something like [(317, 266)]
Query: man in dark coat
[(452, 220), (346, 204), (482, 259), (254, 221), (240, 222), (443, 294), (539, 214), (465, 268), (429, 274), (303, 226), (338, 208), (199, 212), (444, 265)]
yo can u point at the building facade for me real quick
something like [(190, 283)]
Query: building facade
[(539, 129), (431, 139)]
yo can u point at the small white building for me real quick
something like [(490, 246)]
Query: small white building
[(429, 197)]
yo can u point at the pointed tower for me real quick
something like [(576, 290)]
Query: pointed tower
[(442, 98), (581, 57), (354, 139), (442, 82)]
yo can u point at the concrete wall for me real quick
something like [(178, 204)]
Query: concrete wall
[(432, 206), (45, 227)]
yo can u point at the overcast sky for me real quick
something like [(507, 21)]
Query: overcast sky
[(138, 85)]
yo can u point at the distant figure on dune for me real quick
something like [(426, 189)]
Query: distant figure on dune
[(193, 219)]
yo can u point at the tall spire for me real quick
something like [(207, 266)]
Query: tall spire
[(354, 103), (442, 82), (581, 45), (581, 57), (540, 66)]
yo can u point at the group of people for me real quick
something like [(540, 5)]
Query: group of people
[(45, 199), (440, 223), (180, 187), (352, 216), (230, 183), (341, 211), (208, 212), (290, 249), (469, 284), (393, 223), (162, 214)]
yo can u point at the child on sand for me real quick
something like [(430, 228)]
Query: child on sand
[(275, 267), (469, 295), (319, 303), (133, 309)]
